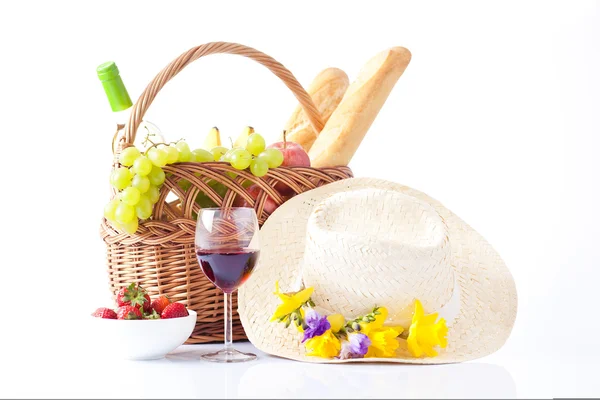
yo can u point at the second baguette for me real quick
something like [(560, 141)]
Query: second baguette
[(347, 126), (326, 91)]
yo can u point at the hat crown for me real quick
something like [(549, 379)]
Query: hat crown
[(374, 247)]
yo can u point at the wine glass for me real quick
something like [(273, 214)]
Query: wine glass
[(227, 249)]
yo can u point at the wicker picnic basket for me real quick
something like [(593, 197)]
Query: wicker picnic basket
[(160, 255)]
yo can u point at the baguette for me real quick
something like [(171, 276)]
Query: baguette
[(347, 126), (326, 91)]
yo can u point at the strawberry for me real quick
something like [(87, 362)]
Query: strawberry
[(129, 312), (147, 304), (160, 303), (104, 312), (174, 310), (134, 295)]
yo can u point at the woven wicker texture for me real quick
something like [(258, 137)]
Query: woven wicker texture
[(160, 256), (366, 242)]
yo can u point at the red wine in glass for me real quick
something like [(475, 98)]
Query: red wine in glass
[(227, 247), (227, 269)]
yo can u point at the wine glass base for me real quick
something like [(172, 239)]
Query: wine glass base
[(228, 356)]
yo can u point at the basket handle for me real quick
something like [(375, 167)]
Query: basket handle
[(143, 103)]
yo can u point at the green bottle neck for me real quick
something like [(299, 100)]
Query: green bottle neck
[(113, 85)]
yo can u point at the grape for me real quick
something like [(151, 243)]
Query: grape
[(130, 196), (201, 155), (120, 178), (110, 208), (141, 183), (264, 157), (156, 176), (273, 157), (182, 146), (142, 166), (240, 158), (131, 226), (259, 167), (185, 156), (153, 194), (158, 157), (124, 213), (143, 209), (227, 156), (128, 156), (185, 153), (172, 154), (255, 144), (218, 152)]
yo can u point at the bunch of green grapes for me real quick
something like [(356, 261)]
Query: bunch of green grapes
[(254, 156), (139, 178)]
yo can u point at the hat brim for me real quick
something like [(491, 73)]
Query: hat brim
[(488, 294)]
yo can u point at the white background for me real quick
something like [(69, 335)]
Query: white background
[(497, 116)]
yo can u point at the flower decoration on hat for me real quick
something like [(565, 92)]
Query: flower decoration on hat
[(363, 337), (326, 345), (290, 308), (315, 325), (425, 333)]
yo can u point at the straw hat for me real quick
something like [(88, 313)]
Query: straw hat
[(365, 242)]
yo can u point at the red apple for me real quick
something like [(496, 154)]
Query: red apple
[(293, 156), (254, 190)]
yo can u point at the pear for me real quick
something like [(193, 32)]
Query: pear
[(243, 138), (213, 139)]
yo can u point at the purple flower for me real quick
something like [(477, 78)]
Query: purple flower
[(356, 346), (316, 325)]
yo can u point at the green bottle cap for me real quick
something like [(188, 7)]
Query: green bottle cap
[(115, 90)]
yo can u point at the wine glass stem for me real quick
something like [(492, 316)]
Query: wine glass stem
[(228, 321)]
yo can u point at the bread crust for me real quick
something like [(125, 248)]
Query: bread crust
[(347, 126), (326, 91)]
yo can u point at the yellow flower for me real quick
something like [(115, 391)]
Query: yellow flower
[(384, 342), (290, 303), (327, 345), (366, 327), (425, 333), (337, 321)]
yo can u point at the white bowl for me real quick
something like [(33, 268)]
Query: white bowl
[(149, 339)]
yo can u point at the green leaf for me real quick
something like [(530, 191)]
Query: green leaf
[(154, 315)]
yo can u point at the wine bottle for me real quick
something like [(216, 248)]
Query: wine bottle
[(120, 104)]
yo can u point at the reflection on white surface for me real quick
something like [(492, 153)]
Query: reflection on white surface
[(473, 380), (272, 377), (70, 369)]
